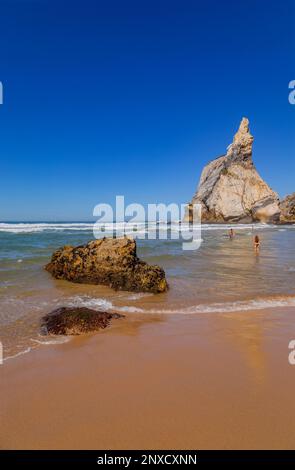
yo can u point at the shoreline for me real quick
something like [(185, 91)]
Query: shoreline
[(182, 382)]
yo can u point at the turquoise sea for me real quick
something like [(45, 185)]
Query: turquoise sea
[(222, 276)]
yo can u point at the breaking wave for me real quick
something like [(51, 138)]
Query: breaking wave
[(7, 358), (119, 226), (218, 307), (54, 340)]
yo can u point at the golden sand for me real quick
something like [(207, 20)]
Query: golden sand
[(176, 382)]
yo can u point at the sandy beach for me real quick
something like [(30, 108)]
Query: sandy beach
[(181, 382), (201, 366), (147, 231)]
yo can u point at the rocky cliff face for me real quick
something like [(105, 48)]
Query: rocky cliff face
[(110, 261), (230, 188), (287, 207)]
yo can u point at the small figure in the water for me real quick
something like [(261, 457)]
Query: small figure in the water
[(256, 244), (231, 233)]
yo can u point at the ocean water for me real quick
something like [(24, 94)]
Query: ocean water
[(222, 276)]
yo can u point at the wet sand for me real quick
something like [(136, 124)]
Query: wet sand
[(174, 381)]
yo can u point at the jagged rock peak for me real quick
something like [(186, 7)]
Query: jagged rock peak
[(241, 148), (243, 131), (230, 188)]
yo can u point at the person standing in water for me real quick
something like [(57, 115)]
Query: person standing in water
[(256, 244), (231, 233)]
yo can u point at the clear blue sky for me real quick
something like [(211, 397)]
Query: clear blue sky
[(134, 97)]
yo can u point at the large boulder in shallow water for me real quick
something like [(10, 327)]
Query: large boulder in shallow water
[(76, 321), (110, 261), (230, 188), (287, 206)]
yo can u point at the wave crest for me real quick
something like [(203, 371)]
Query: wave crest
[(218, 307)]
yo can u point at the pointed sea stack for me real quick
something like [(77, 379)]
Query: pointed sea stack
[(230, 188)]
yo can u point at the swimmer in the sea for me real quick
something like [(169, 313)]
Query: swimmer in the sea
[(231, 233), (256, 244)]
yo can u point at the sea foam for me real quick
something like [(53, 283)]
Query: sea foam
[(107, 228), (218, 307)]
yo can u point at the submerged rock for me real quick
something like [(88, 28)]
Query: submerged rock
[(287, 206), (230, 188), (110, 261), (76, 321)]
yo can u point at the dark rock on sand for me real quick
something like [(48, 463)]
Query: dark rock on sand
[(110, 261), (76, 321), (287, 207)]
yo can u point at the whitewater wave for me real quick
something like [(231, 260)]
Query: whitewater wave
[(123, 227), (138, 295), (218, 307), (17, 354), (46, 342), (90, 302), (41, 227)]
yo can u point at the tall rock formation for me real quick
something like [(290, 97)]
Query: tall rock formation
[(230, 188), (287, 207)]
